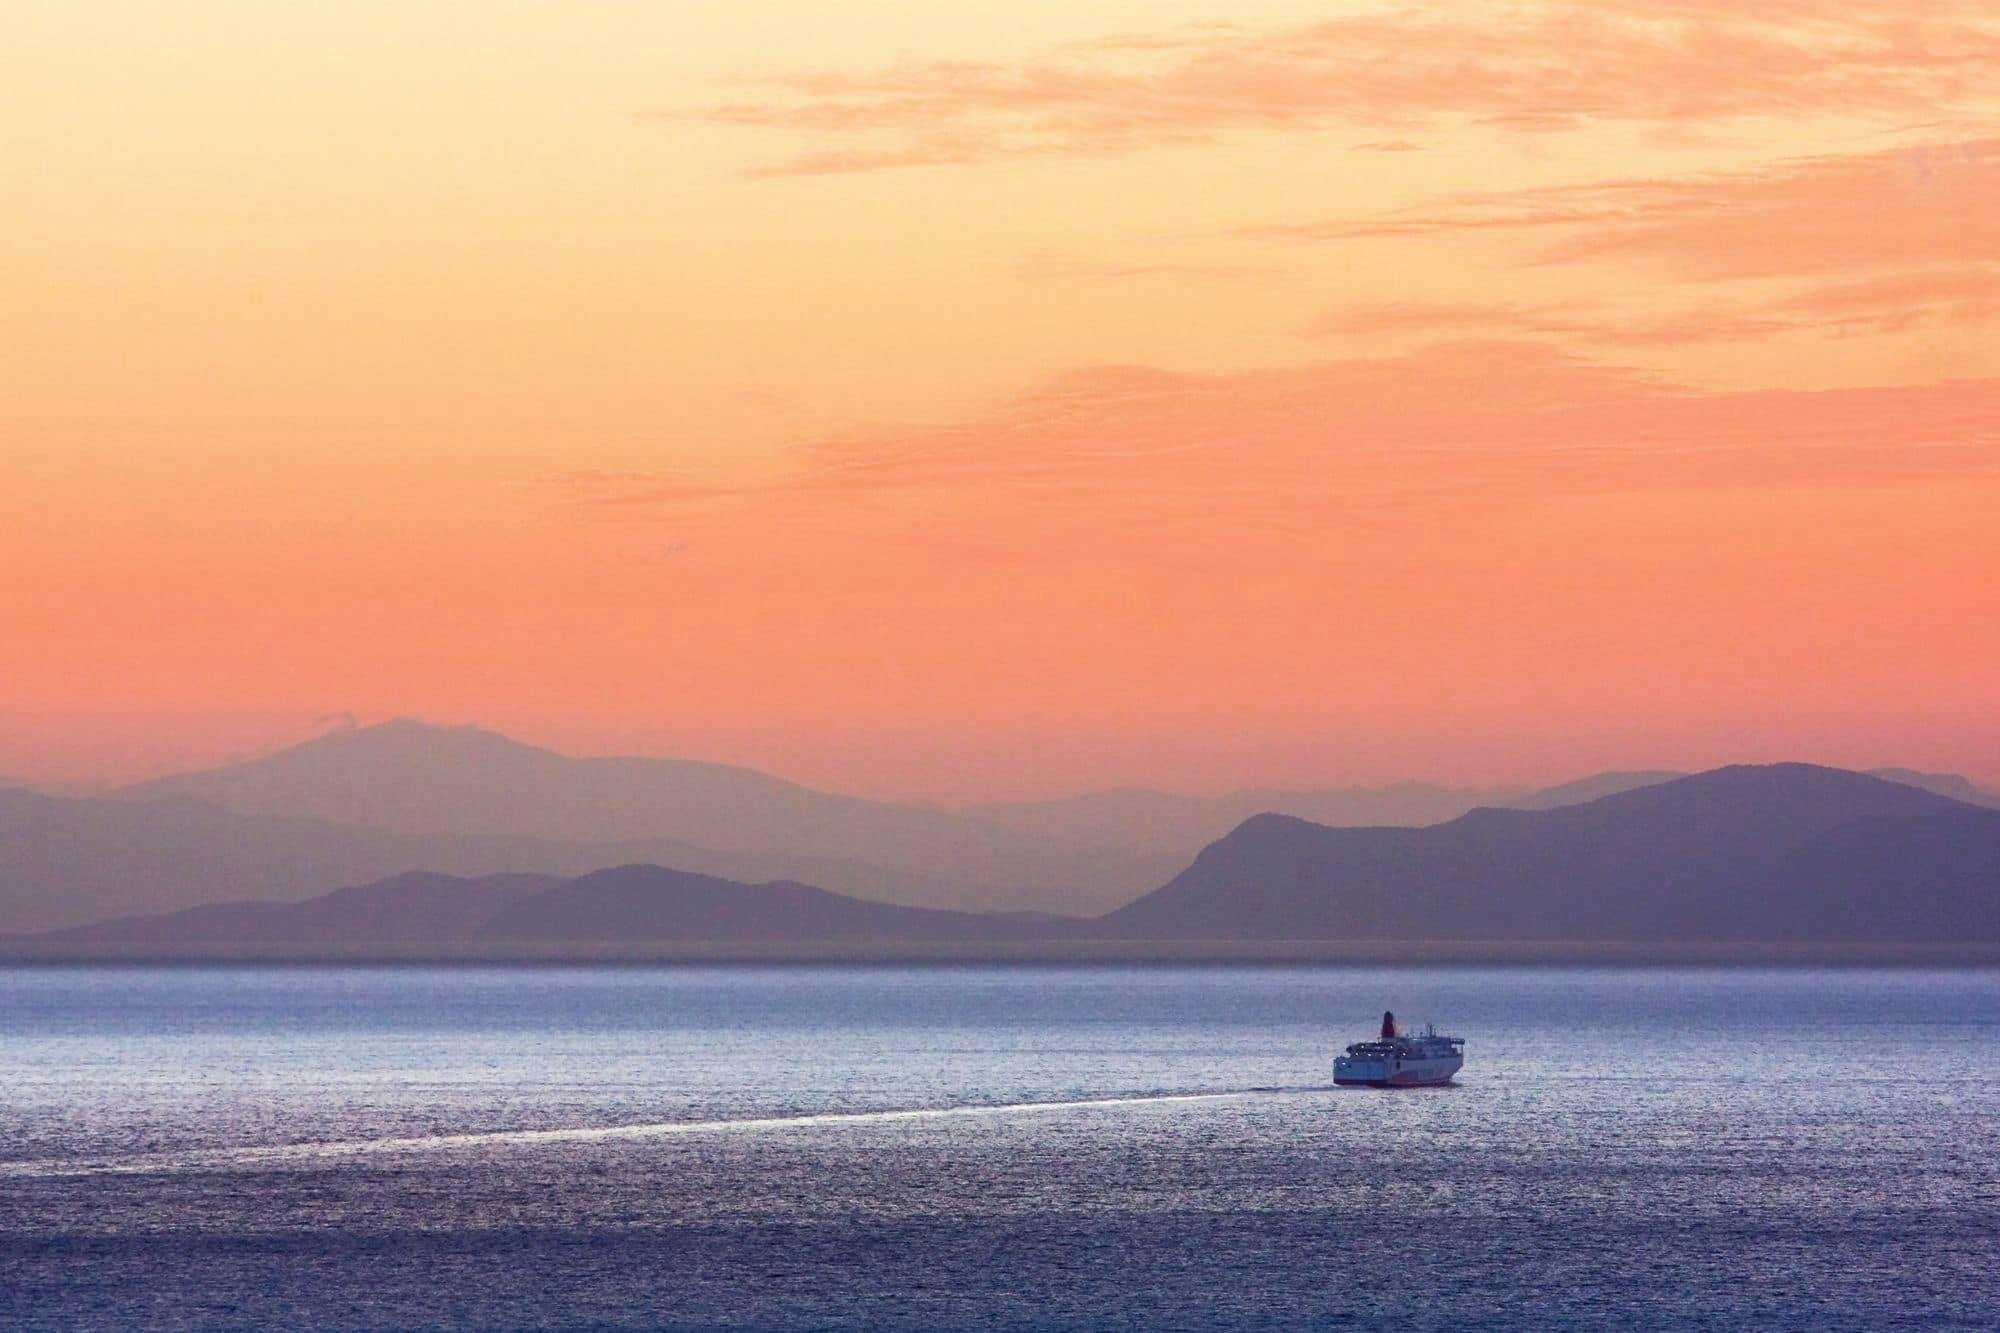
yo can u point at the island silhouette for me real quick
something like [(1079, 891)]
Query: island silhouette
[(1791, 854)]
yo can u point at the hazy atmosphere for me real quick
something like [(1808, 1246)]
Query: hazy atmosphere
[(964, 403)]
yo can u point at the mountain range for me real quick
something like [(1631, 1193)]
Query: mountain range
[(360, 804), (1181, 824), (65, 861), (412, 779), (1785, 853), (619, 905)]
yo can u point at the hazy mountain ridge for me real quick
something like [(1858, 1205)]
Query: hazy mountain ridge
[(437, 795), (1786, 853), (68, 861), (71, 860), (417, 908), (650, 903), (1076, 855), (411, 777), (1777, 853), (623, 904), (1583, 790), (1942, 784), (1184, 823)]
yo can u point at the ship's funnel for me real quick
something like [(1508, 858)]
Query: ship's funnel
[(1388, 1025)]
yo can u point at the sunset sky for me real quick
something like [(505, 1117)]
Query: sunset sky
[(967, 400)]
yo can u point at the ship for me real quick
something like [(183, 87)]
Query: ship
[(1396, 1061)]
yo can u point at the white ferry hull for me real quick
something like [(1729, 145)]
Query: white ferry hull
[(1404, 1073)]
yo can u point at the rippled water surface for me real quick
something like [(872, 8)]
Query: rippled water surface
[(1004, 1147)]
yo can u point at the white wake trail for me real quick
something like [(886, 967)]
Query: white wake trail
[(312, 1154)]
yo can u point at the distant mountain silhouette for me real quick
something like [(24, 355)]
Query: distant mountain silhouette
[(649, 903), (620, 906), (413, 909), (1184, 824), (1786, 852), (1943, 784), (1181, 824), (66, 861), (413, 778), (1595, 787), (374, 802)]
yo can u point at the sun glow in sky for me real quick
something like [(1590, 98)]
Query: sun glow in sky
[(962, 399)]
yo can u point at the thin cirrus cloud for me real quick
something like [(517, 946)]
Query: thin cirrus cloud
[(1863, 243), (1596, 325), (1138, 457), (1893, 302), (1884, 304), (1898, 207), (924, 151), (1538, 68)]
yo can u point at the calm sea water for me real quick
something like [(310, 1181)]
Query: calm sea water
[(1024, 1147)]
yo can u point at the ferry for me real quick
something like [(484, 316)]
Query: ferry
[(1397, 1061)]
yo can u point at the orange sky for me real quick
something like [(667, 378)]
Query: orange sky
[(964, 400)]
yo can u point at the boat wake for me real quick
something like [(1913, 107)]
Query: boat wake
[(308, 1155)]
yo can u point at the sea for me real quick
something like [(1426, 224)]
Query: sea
[(1014, 1147)]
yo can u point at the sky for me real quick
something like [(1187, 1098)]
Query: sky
[(963, 401)]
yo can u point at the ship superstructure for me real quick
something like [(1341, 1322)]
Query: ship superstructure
[(1397, 1061)]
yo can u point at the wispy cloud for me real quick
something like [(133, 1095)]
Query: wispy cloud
[(1893, 302), (1595, 325), (1895, 208), (1542, 68), (1126, 458), (926, 151), (1885, 303), (1851, 244)]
